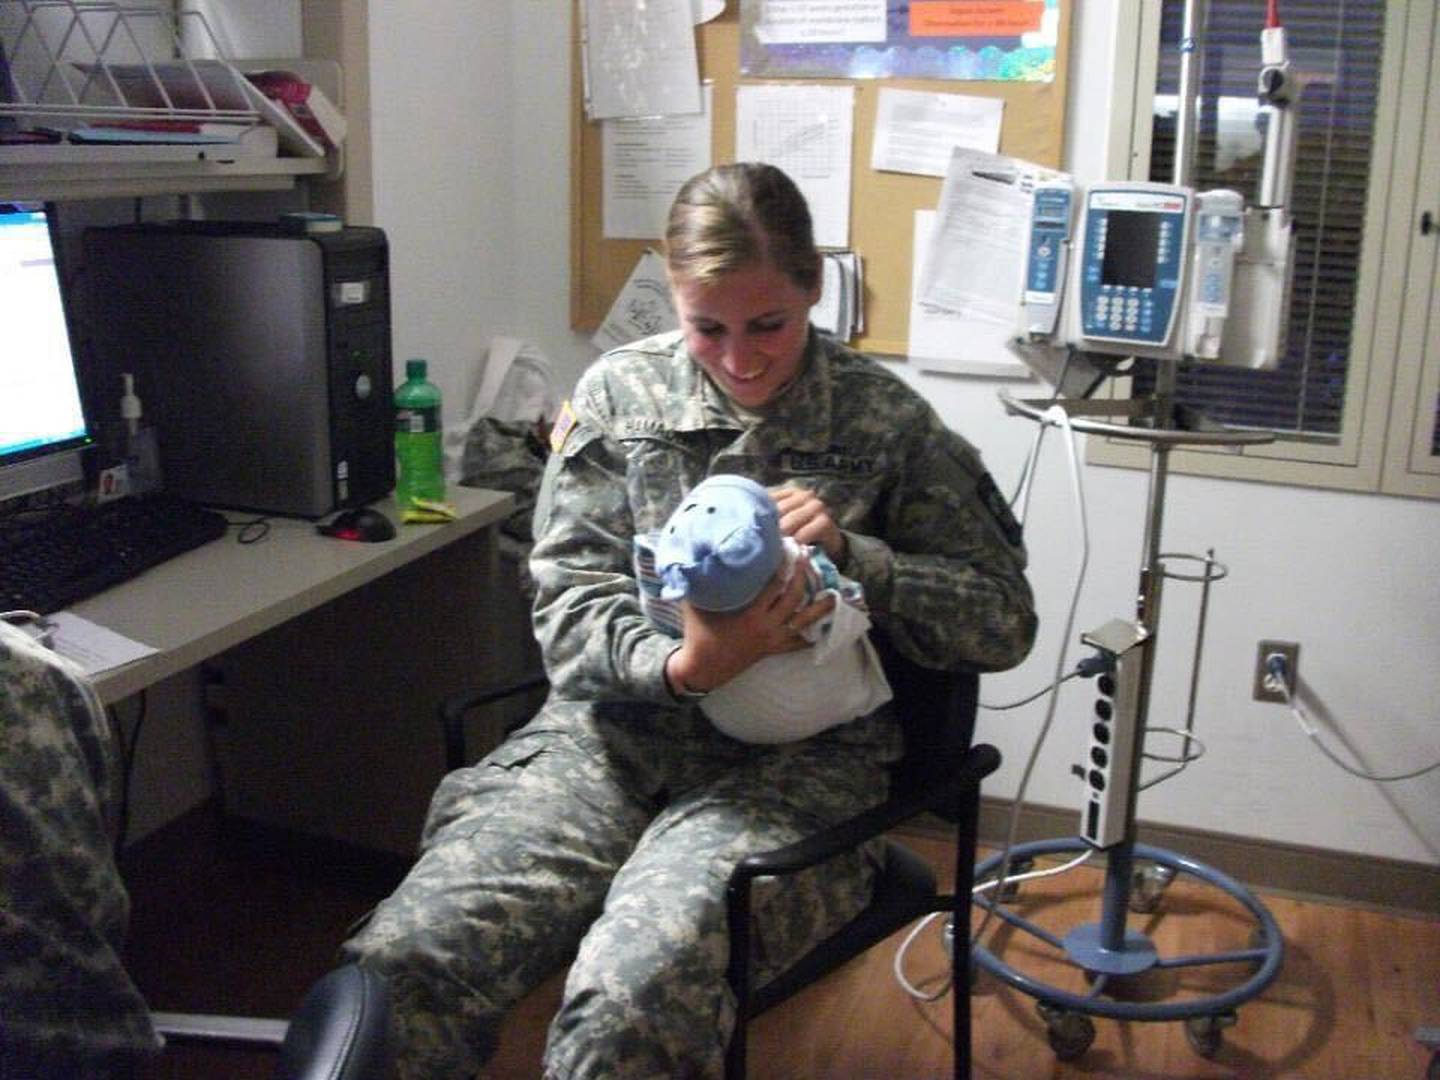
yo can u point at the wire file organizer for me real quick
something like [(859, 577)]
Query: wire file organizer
[(70, 64)]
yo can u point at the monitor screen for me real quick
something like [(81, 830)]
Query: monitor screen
[(1131, 253), (42, 419)]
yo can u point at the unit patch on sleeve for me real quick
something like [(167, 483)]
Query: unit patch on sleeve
[(564, 424)]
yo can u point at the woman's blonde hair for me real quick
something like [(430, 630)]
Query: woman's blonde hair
[(734, 216)]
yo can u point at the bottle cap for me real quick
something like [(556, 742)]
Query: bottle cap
[(415, 369)]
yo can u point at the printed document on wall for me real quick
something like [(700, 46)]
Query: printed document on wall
[(644, 161), (808, 132), (977, 254), (643, 307), (639, 58), (948, 341), (814, 22), (915, 131)]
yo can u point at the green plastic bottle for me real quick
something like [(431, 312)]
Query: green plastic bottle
[(419, 458)]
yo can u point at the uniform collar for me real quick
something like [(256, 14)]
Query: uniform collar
[(802, 411)]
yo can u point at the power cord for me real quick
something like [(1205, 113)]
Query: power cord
[(1057, 415), (984, 886), (127, 761), (1278, 679), (1087, 668), (252, 531), (1032, 456)]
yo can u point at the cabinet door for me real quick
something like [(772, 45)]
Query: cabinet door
[(326, 727)]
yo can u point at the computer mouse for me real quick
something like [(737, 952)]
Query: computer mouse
[(361, 523)]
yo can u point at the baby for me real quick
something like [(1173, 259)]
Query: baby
[(718, 550)]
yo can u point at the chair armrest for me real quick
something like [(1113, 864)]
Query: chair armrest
[(454, 708), (942, 786), (341, 1030), (458, 704)]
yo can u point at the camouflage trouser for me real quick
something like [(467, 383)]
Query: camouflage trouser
[(67, 1006), (621, 846)]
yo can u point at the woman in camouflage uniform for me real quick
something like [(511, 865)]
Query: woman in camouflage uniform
[(609, 824)]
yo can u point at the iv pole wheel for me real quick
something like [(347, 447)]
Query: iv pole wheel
[(1070, 1033), (1148, 885), (1206, 1033)]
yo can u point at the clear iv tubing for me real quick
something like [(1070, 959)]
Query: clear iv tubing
[(1055, 414)]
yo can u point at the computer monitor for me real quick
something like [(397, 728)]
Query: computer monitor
[(43, 427)]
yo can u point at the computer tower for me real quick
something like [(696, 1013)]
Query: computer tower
[(261, 356)]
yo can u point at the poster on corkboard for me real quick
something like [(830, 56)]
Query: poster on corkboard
[(882, 203), (969, 40)]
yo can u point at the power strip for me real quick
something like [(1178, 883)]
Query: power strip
[(1108, 770)]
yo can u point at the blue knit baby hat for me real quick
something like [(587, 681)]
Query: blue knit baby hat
[(721, 545)]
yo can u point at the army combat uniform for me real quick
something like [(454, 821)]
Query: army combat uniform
[(67, 1006), (612, 820)]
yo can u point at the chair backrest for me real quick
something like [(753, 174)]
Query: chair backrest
[(936, 711)]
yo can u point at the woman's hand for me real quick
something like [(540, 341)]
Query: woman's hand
[(718, 645), (805, 518)]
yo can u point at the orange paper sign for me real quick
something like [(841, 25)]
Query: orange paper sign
[(969, 18)]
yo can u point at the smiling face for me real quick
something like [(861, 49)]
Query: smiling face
[(747, 328)]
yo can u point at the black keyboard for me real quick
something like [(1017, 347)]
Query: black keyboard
[(51, 562)]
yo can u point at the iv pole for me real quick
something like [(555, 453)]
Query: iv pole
[(1107, 950)]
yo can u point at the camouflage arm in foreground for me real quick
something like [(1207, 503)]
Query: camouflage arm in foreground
[(63, 908)]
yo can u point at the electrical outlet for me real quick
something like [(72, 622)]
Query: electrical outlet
[(1264, 690)]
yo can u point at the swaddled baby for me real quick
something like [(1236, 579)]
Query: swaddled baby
[(718, 550)]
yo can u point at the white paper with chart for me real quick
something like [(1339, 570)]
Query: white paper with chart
[(808, 131)]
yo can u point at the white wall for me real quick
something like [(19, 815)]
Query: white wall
[(472, 143), (471, 148)]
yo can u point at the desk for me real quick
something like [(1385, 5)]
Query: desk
[(310, 668), (198, 605)]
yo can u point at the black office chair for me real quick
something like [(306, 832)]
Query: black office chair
[(339, 1032), (939, 774)]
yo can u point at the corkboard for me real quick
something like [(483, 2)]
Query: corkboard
[(882, 204)]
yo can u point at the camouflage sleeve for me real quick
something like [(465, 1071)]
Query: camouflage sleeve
[(596, 640), (946, 580), (68, 1000)]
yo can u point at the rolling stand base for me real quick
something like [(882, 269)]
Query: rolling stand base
[(1085, 948)]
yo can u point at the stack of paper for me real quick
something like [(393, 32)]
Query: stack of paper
[(250, 139), (840, 311), (307, 103)]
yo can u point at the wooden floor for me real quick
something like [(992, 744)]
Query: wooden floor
[(218, 932)]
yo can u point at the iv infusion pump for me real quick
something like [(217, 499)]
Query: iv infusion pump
[(1153, 270)]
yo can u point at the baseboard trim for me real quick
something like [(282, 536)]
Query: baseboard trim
[(1311, 873)]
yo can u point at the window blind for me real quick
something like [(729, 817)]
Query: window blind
[(1335, 50)]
